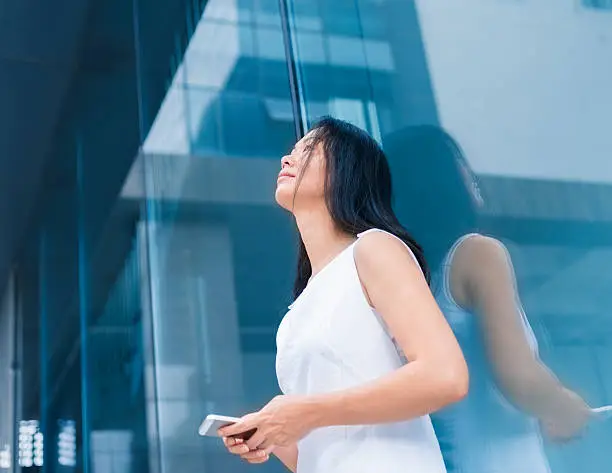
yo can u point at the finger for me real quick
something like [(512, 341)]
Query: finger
[(259, 460), (243, 425), (256, 440), (256, 456), (240, 449), (270, 449), (231, 441), (266, 445)]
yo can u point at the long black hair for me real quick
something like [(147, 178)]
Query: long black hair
[(358, 189), (438, 190)]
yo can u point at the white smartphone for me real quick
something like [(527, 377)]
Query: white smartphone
[(214, 422), (603, 412)]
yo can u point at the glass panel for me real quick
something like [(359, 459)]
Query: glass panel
[(219, 260), (61, 353), (29, 349), (109, 286), (523, 89), (82, 406), (7, 377)]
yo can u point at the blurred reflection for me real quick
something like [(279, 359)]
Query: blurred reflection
[(513, 395)]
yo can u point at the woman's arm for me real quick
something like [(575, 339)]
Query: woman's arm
[(483, 276), (435, 376), (436, 373), (288, 456)]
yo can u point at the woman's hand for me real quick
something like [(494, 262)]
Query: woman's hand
[(570, 422), (282, 422), (237, 446)]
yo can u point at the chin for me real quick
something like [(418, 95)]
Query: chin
[(284, 198)]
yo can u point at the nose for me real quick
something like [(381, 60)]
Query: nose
[(285, 161)]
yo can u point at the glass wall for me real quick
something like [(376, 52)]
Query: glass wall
[(531, 120), (158, 266), (523, 89), (81, 405), (220, 252)]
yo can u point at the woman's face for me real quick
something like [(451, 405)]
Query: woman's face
[(301, 183)]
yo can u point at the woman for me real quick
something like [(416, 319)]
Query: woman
[(350, 402), (495, 429)]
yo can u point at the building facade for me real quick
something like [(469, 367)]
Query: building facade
[(147, 286)]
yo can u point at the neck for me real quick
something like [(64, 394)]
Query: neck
[(323, 241)]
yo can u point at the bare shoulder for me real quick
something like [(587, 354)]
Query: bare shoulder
[(481, 249), (388, 272), (483, 264), (381, 252)]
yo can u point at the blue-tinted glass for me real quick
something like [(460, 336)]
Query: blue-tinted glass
[(267, 13), (54, 285), (220, 252), (157, 266), (599, 4), (109, 285), (7, 378), (522, 88), (80, 372)]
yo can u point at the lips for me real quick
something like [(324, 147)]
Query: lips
[(285, 174)]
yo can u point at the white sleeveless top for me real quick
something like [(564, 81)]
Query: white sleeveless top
[(483, 433), (331, 339)]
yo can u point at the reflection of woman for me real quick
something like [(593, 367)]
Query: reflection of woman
[(350, 403), (495, 429)]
